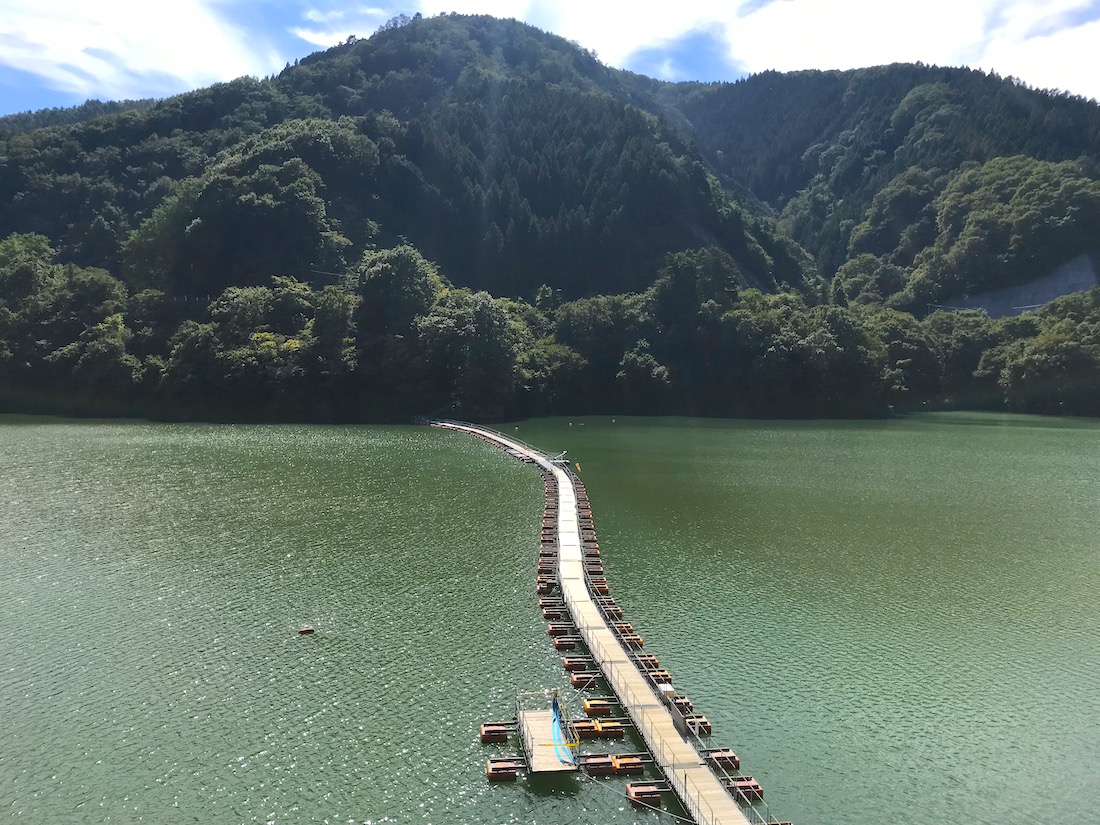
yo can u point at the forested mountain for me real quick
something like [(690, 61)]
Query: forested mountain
[(508, 156), (326, 244), (937, 180), (68, 116)]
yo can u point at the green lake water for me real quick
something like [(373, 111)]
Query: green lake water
[(888, 621)]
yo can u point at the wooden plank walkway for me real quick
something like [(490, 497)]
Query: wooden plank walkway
[(698, 787), (537, 735)]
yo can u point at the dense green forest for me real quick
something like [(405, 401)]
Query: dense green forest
[(470, 216)]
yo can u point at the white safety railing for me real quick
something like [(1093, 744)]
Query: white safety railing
[(491, 431)]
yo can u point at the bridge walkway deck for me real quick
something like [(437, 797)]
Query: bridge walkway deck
[(700, 790)]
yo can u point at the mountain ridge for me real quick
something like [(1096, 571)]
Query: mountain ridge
[(630, 221)]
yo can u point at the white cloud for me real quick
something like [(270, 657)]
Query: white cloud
[(335, 25), (667, 70), (343, 13), (323, 37), (614, 29), (1060, 58), (990, 34), (134, 48), (834, 34), (804, 34), (126, 48)]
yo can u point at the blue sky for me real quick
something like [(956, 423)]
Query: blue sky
[(62, 52)]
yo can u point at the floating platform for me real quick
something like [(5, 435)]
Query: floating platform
[(744, 788), (598, 707), (599, 728), (586, 729), (683, 704), (609, 607), (549, 740), (722, 758), (615, 764), (566, 642), (645, 793), (698, 724), (581, 679), (493, 732), (597, 764), (610, 728), (503, 770)]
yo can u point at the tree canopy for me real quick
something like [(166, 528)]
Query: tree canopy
[(467, 214)]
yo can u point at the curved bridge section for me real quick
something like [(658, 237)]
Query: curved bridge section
[(708, 797)]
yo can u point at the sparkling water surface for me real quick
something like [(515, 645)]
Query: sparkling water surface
[(889, 621)]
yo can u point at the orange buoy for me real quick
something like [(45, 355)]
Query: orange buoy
[(627, 764), (598, 764), (597, 707), (611, 729), (586, 729)]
